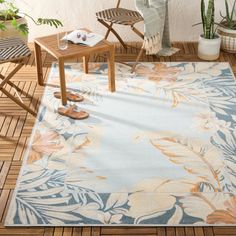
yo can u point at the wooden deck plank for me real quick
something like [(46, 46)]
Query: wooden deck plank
[(224, 231), (198, 231), (12, 126), (58, 231), (67, 231), (48, 231), (19, 149), (16, 126), (208, 231), (3, 200), (189, 231), (86, 231), (128, 230), (77, 231), (179, 231), (21, 231), (96, 231), (19, 127), (170, 231), (4, 172), (161, 231), (5, 126)]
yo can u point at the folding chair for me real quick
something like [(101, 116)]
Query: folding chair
[(121, 16), (16, 51)]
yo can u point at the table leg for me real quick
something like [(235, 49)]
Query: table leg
[(137, 60), (111, 69), (39, 64), (62, 81), (85, 62)]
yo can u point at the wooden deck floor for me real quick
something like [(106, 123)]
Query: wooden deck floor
[(15, 130)]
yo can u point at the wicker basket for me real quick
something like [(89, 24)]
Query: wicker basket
[(228, 39)]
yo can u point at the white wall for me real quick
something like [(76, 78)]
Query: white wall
[(81, 13)]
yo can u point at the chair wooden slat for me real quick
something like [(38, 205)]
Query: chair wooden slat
[(121, 16), (13, 50)]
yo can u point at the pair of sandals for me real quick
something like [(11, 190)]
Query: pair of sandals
[(71, 110)]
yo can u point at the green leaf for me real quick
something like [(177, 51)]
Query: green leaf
[(52, 22), (203, 16), (227, 9), (23, 28), (229, 14), (14, 23), (210, 20), (232, 12), (2, 26)]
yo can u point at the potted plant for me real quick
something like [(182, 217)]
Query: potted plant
[(209, 41), (227, 28), (13, 22)]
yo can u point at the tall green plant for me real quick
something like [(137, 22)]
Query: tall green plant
[(208, 19), (10, 12), (229, 17)]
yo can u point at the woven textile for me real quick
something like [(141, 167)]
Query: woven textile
[(156, 27), (120, 16), (13, 48), (158, 151)]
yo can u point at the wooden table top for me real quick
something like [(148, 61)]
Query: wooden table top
[(49, 43)]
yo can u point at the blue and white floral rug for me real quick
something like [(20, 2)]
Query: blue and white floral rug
[(159, 151)]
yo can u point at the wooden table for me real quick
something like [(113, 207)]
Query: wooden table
[(49, 43)]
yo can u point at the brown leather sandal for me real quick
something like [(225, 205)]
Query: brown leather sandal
[(72, 113), (73, 97)]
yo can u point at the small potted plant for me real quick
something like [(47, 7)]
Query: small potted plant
[(13, 22), (209, 41), (227, 28)]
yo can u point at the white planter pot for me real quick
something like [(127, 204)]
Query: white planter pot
[(228, 39), (209, 49), (12, 32)]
